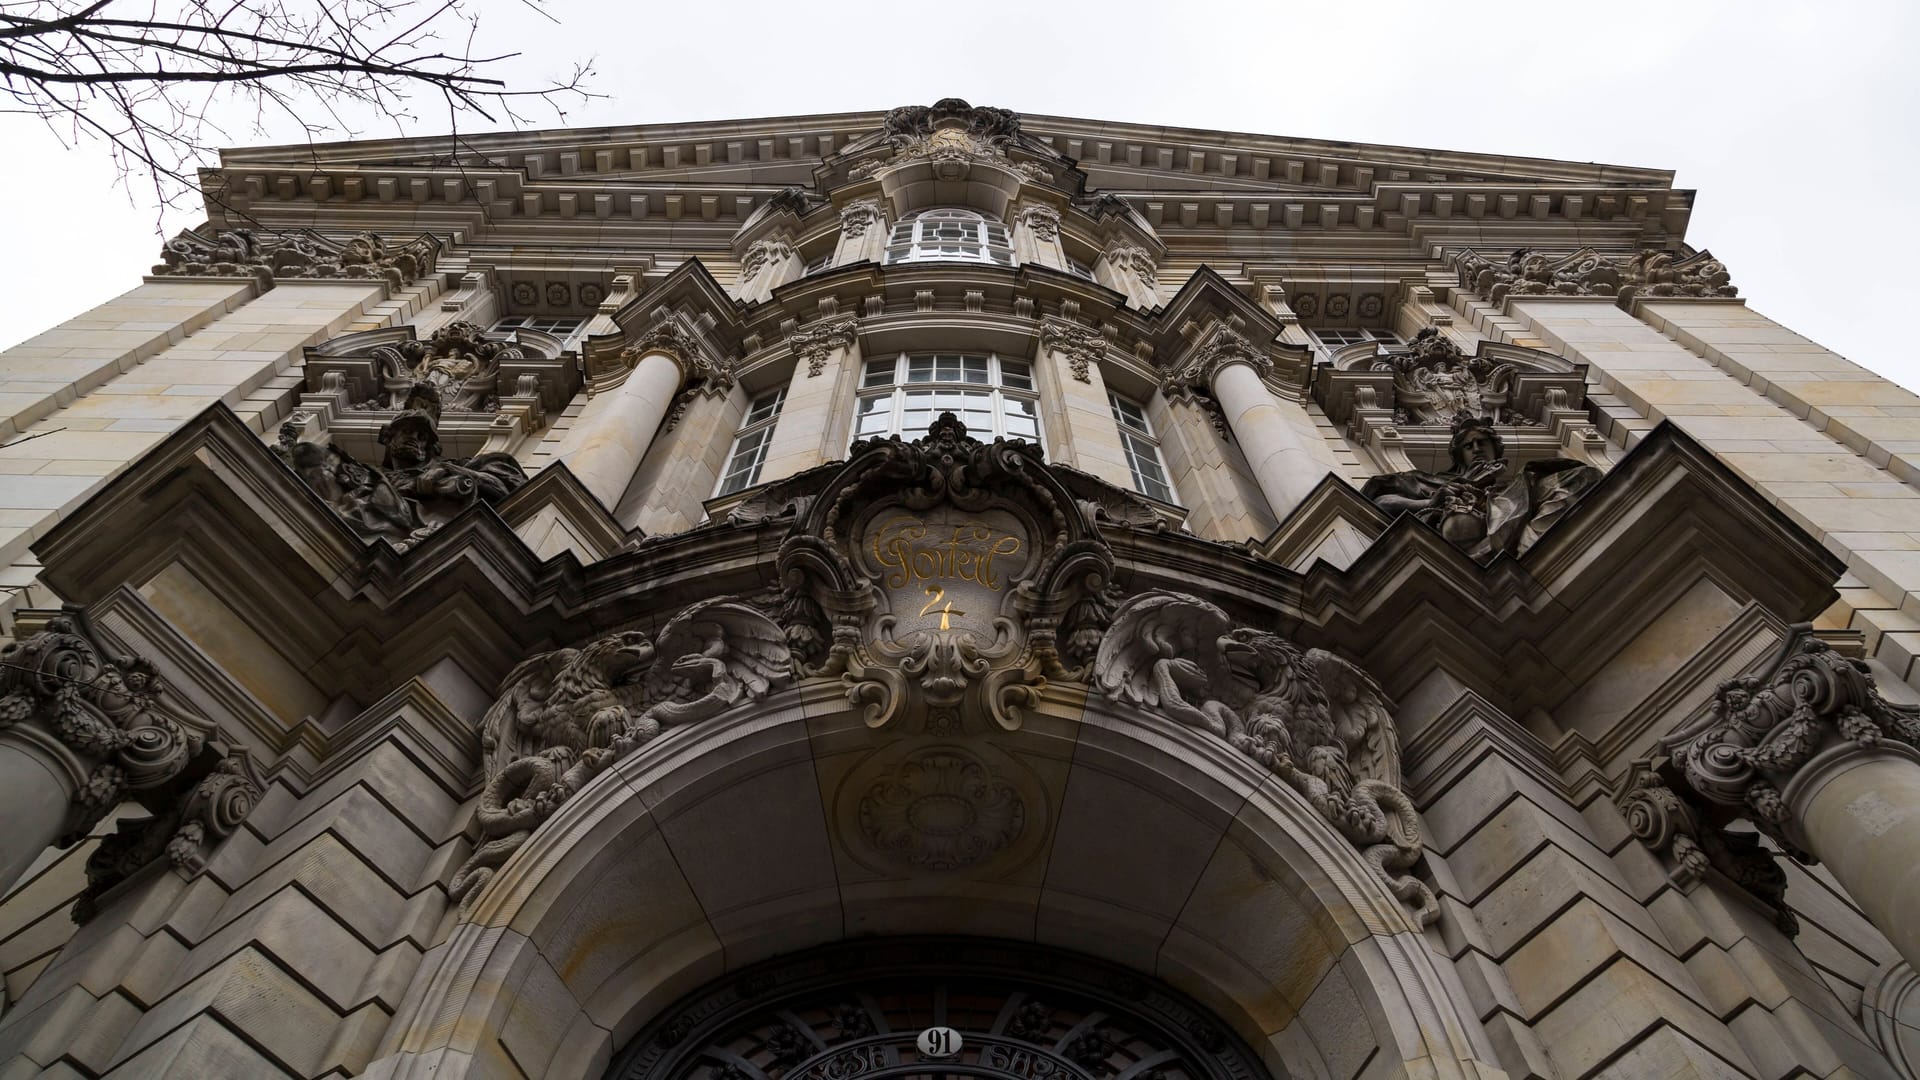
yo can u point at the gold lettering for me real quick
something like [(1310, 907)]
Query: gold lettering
[(946, 611), (907, 555)]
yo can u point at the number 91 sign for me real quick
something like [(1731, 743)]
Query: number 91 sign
[(938, 1042)]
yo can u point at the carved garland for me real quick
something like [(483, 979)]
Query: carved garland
[(1587, 272)]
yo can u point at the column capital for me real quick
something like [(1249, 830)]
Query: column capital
[(1674, 826), (817, 340), (1642, 275), (106, 708), (1811, 706), (1226, 346), (1083, 346)]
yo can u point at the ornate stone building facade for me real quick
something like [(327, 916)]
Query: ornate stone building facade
[(942, 592)]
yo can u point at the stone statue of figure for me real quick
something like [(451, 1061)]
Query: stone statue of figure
[(1481, 504), (412, 493), (439, 487)]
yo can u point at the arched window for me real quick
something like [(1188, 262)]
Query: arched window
[(958, 235)]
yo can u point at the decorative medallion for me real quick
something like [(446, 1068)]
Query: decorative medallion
[(941, 809)]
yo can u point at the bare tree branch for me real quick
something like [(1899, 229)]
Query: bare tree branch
[(150, 79)]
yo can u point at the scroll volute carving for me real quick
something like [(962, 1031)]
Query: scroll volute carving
[(944, 579)]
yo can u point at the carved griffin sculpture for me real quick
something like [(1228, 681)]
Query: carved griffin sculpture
[(563, 717), (1316, 720)]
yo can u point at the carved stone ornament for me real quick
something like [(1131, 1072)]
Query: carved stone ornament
[(1083, 346), (455, 368), (1319, 722), (1434, 382), (950, 136), (1587, 272), (105, 707), (910, 122), (300, 254), (565, 716), (414, 490), (1764, 727), (760, 253), (1675, 827), (182, 830), (1483, 505), (942, 809), (1132, 259), (944, 579), (816, 341), (859, 216), (1195, 375), (1042, 221)]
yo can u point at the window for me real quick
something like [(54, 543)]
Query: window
[(1334, 338), (559, 326), (750, 445), (960, 235), (903, 395), (1143, 450)]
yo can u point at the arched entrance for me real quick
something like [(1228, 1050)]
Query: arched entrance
[(856, 1010), (1143, 844)]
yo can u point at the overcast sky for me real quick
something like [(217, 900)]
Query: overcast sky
[(1795, 123)]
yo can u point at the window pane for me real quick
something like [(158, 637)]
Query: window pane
[(879, 373), (1016, 375), (765, 407), (1022, 419), (875, 415)]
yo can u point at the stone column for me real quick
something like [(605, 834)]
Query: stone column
[(1813, 754), (863, 233), (1280, 451), (826, 364), (604, 447)]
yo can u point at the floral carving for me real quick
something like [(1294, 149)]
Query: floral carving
[(564, 717), (942, 809), (1226, 346), (1319, 722), (1083, 346), (1764, 727), (301, 254), (455, 368), (817, 341), (908, 122)]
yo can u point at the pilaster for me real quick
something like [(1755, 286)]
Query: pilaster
[(826, 368), (1073, 393), (863, 232)]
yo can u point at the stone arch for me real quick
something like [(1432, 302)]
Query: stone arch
[(1154, 847)]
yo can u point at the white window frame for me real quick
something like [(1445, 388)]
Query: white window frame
[(1002, 391), (749, 451), (543, 324), (919, 238), (1352, 335), (1140, 444)]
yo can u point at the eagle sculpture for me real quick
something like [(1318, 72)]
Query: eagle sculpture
[(1315, 719), (563, 717)]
